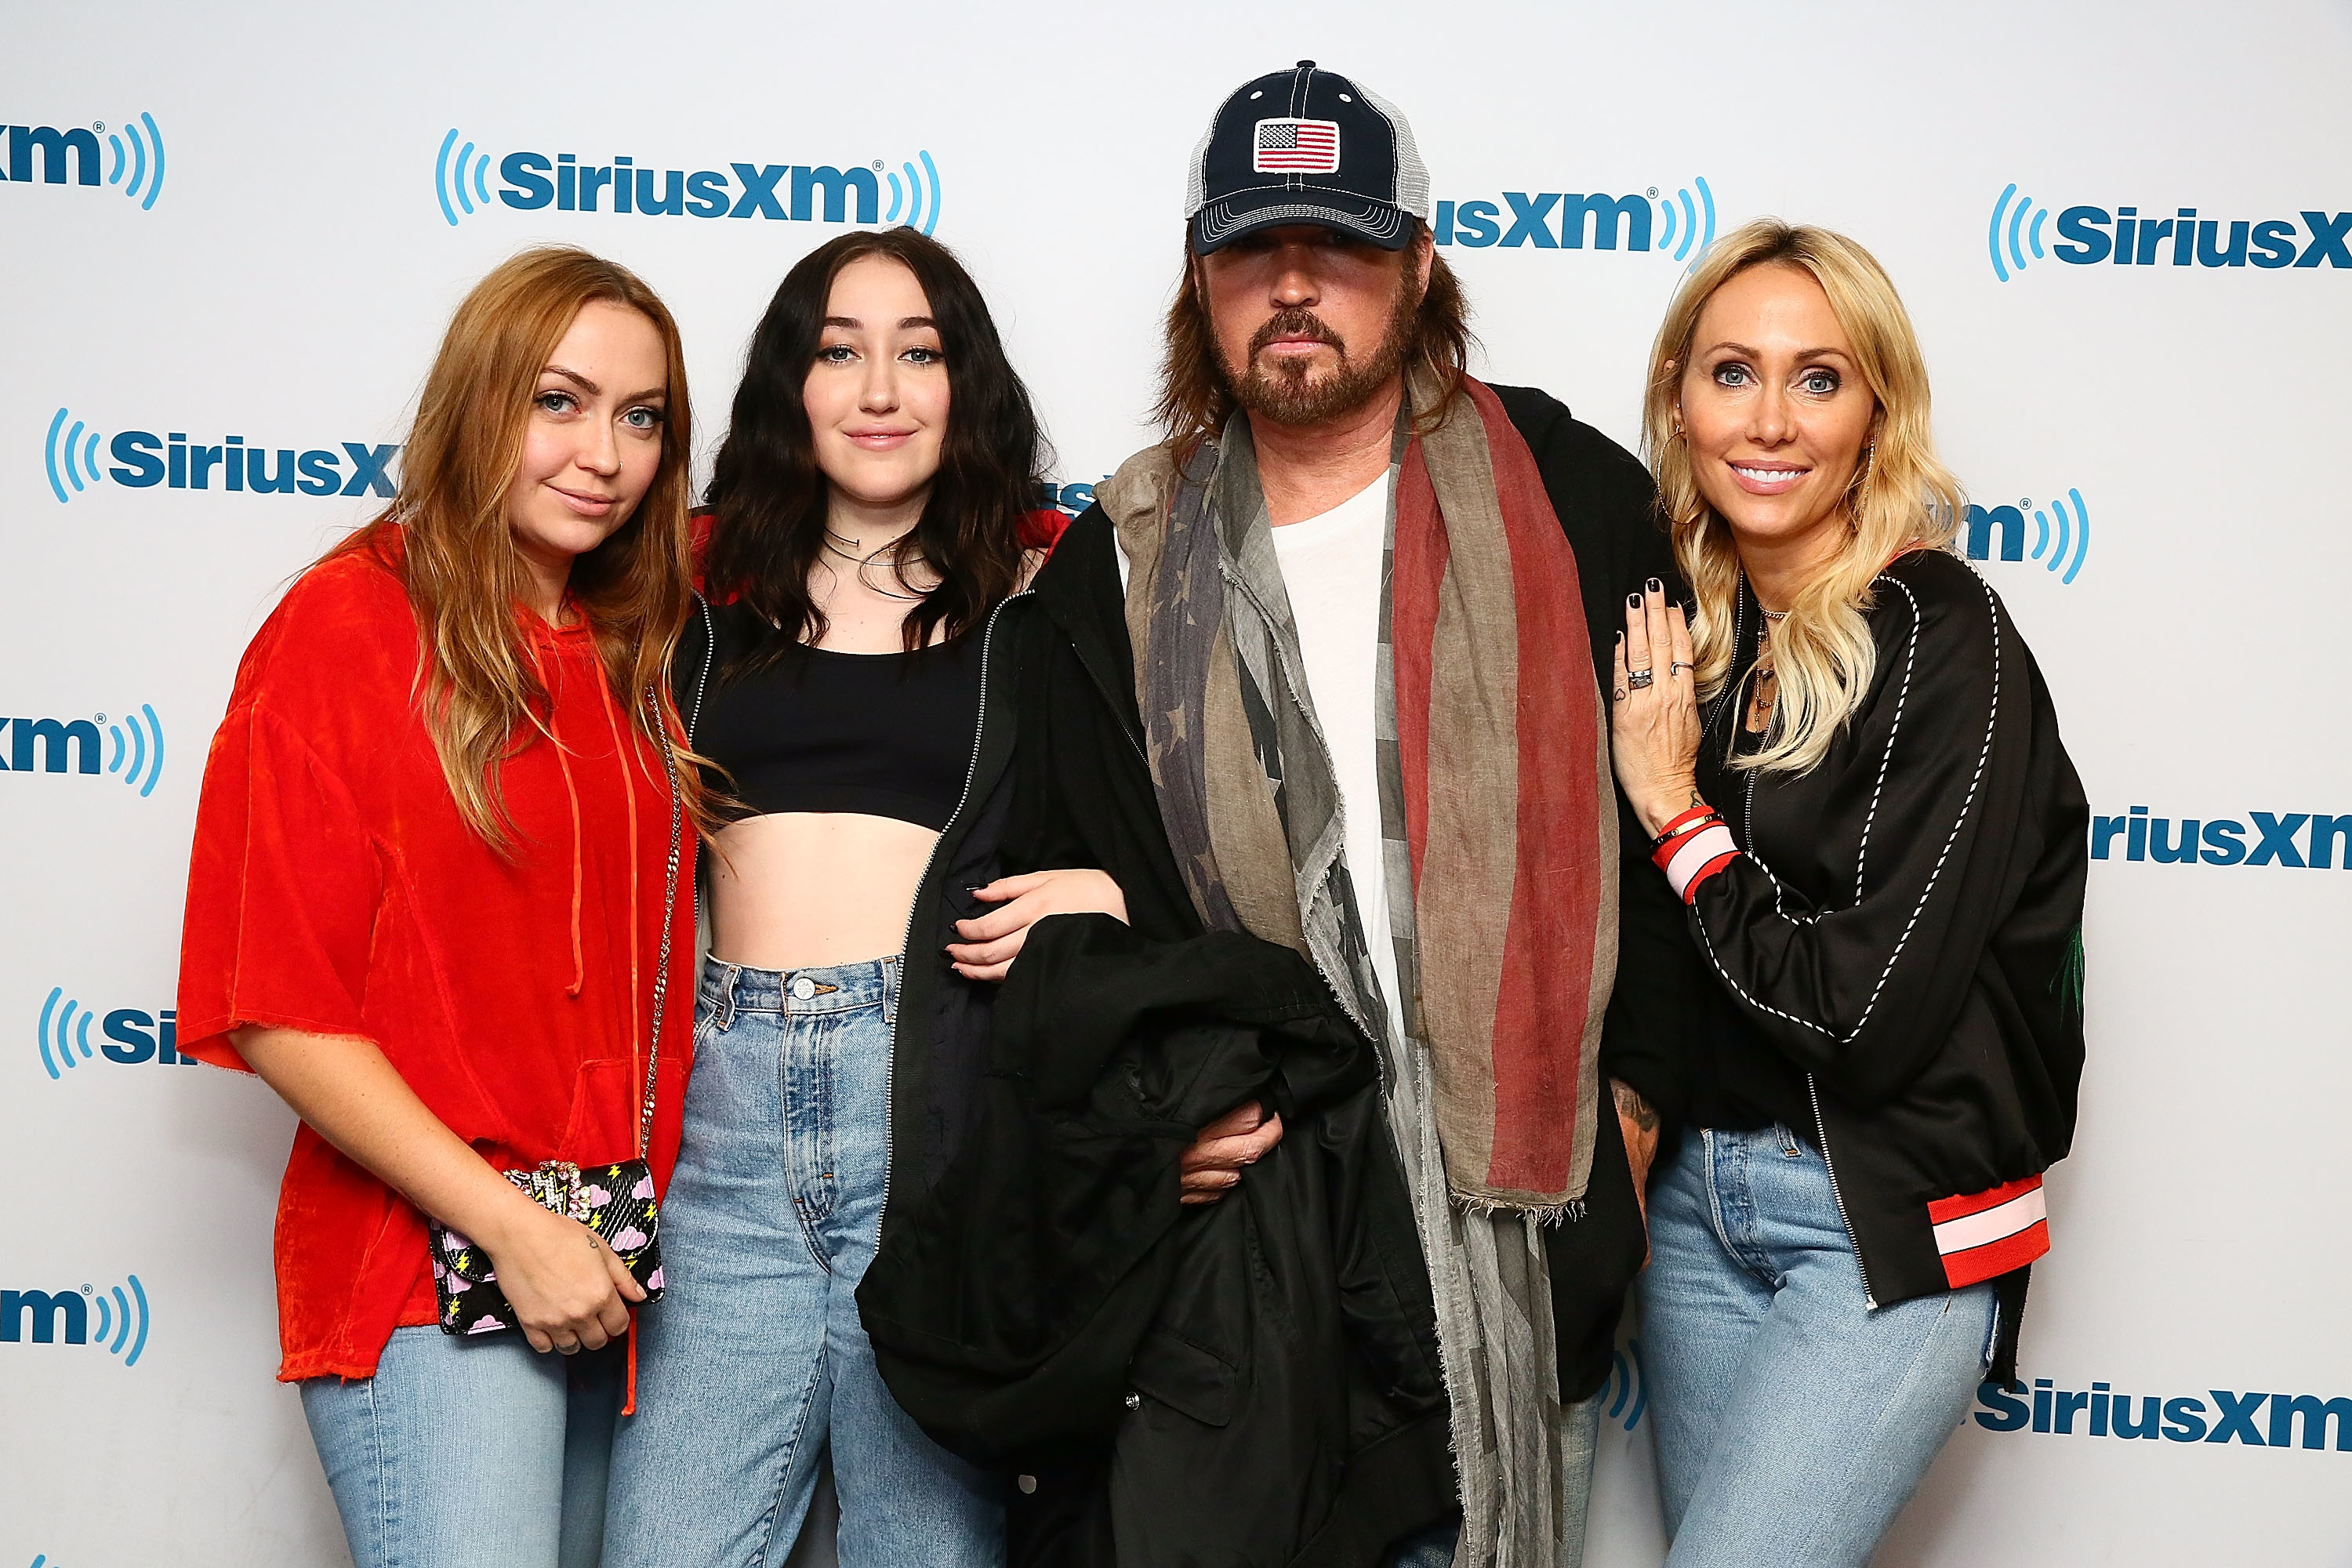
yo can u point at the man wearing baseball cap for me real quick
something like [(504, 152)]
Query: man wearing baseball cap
[(1445, 564), (1319, 681)]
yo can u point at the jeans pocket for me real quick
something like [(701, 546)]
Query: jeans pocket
[(705, 1016)]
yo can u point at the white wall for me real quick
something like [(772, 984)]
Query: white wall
[(289, 279)]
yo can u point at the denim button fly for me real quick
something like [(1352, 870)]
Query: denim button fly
[(803, 988)]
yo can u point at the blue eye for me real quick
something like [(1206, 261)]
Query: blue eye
[(644, 418), (1820, 382), (836, 353), (925, 356), (1731, 375), (556, 402)]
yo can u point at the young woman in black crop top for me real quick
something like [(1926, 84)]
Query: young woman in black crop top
[(868, 507)]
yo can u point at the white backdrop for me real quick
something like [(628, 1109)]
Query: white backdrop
[(259, 224)]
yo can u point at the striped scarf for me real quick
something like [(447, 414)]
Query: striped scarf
[(1500, 866)]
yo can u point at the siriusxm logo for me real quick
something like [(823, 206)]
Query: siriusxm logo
[(62, 746), (143, 459), (1628, 1388), (2222, 841), (2005, 1407), (138, 150), (63, 1317), (1558, 220), (2014, 238), (798, 192), (131, 1037), (2071, 533)]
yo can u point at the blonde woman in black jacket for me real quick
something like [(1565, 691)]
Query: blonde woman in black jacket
[(1851, 767)]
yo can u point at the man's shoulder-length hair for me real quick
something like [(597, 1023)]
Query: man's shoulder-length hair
[(1196, 398)]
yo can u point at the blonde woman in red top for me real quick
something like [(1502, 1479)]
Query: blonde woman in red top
[(425, 905)]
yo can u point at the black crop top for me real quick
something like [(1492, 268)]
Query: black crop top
[(882, 734)]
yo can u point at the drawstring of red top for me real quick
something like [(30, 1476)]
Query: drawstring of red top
[(571, 794), (621, 750)]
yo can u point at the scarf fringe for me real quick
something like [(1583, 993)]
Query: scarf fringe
[(1568, 1211)]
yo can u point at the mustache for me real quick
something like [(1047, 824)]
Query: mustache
[(1297, 321)]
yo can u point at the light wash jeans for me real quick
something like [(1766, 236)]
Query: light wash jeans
[(466, 1449), (1792, 1423), (755, 1359)]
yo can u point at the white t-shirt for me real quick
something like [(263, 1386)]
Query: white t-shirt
[(1331, 569)]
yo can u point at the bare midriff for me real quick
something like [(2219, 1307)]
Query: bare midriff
[(802, 889)]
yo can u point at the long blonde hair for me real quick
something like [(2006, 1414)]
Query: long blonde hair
[(1901, 496), (447, 528)]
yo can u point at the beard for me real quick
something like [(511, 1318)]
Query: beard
[(1286, 394)]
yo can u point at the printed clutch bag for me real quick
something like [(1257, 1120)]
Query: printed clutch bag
[(614, 1201)]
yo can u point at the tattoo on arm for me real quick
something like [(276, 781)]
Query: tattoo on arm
[(1633, 1106)]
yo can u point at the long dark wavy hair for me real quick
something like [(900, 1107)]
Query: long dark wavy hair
[(1196, 397), (771, 497)]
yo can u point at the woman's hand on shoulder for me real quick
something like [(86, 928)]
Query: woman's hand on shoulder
[(991, 942)]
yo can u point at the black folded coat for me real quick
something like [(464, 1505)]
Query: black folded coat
[(1276, 1348)]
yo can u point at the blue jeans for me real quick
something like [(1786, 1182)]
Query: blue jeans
[(1792, 1421), (755, 1359), (470, 1449)]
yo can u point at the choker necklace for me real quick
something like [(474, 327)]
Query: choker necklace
[(1773, 614)]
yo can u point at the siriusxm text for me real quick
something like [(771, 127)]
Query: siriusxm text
[(2219, 1415), (142, 458), (56, 150), (2293, 838), (134, 1036), (64, 1317), (798, 192), (1546, 220), (49, 745), (2089, 235)]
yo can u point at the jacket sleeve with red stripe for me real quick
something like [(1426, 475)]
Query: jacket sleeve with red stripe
[(1919, 812)]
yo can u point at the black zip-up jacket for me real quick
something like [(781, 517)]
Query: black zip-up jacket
[(1905, 929)]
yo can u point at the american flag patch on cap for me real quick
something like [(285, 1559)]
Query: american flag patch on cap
[(1295, 147), (1981, 1234)]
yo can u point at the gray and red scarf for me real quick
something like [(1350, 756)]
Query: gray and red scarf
[(1501, 863), (1509, 826)]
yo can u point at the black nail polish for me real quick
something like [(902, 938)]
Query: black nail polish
[(1656, 586), (1632, 601)]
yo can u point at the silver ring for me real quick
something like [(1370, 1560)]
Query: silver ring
[(1680, 665), (1639, 679)]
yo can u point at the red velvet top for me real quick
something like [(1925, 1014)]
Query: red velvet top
[(335, 890)]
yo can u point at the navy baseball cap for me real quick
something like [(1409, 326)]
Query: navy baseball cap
[(1306, 145)]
